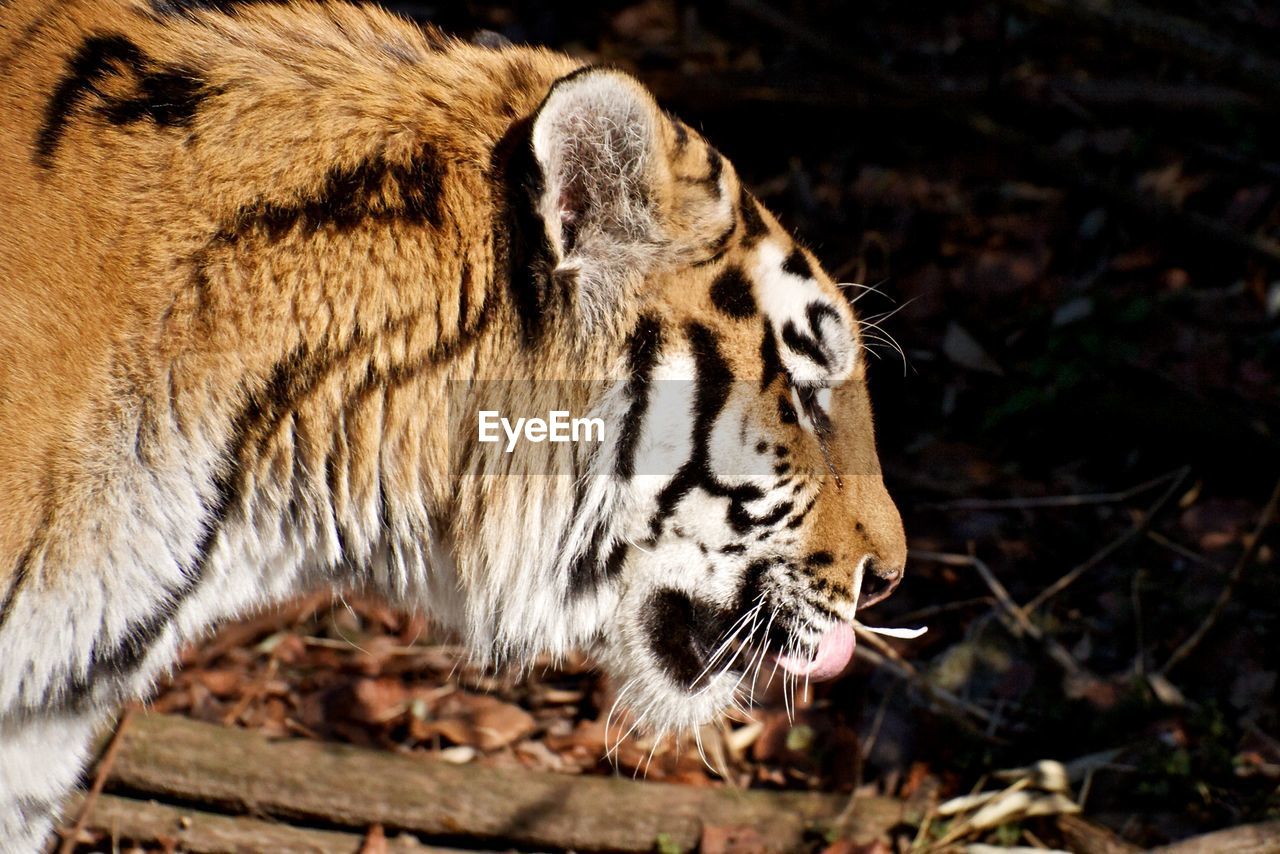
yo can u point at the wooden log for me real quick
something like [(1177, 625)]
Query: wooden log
[(346, 787), (128, 819), (1261, 838), (1082, 835)]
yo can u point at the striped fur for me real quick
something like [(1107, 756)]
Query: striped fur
[(262, 263)]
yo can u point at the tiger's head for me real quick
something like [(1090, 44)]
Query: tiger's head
[(735, 518)]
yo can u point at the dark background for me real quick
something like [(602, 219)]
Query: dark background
[(1071, 223)]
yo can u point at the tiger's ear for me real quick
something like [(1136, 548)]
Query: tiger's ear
[(597, 139)]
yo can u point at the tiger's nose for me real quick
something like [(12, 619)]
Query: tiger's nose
[(879, 579)]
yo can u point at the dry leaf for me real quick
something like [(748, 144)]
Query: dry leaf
[(376, 700), (221, 683), (481, 721)]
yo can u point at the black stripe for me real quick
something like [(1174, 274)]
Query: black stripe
[(715, 169), (770, 363), (731, 294), (681, 633), (583, 571), (333, 481), (167, 96), (22, 569), (373, 190), (797, 264), (753, 579), (84, 690), (613, 563), (753, 225), (798, 520), (743, 522), (682, 135), (815, 311), (93, 60), (718, 247), (523, 246), (714, 377), (786, 412), (821, 420), (20, 574), (714, 380), (464, 292), (589, 571), (642, 357), (802, 344)]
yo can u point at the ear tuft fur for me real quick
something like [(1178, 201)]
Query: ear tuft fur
[(596, 138)]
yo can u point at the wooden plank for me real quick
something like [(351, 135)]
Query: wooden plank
[(346, 787), (199, 832)]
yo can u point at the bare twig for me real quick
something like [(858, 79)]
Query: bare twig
[(1140, 652), (1180, 550), (71, 836), (929, 612), (1015, 618), (1111, 548), (1233, 580), (959, 709), (254, 692), (1082, 500)]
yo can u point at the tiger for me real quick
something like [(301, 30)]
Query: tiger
[(260, 266)]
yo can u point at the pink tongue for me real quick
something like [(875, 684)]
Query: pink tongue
[(834, 651)]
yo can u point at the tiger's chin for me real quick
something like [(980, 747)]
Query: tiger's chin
[(661, 704), (675, 671)]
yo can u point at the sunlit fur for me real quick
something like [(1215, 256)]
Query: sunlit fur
[(259, 263)]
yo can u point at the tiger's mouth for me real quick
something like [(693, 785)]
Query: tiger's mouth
[(682, 660), (695, 642)]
